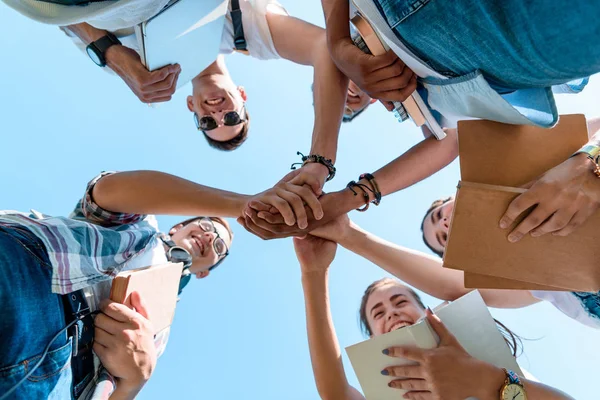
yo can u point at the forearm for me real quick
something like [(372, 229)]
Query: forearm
[(539, 391), (86, 32), (413, 267), (152, 192), (421, 161), (336, 14), (329, 96), (325, 353), (593, 125), (125, 392)]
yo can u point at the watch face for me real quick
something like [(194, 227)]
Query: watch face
[(95, 57), (513, 392)]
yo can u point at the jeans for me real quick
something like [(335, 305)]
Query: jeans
[(590, 302), (30, 316), (516, 44)]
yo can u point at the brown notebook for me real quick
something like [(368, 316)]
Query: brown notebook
[(509, 155), (157, 285)]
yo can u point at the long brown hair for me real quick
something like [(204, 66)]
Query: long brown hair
[(513, 341), (433, 206)]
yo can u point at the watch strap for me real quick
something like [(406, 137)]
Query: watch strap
[(591, 150), (239, 40), (105, 42), (512, 378)]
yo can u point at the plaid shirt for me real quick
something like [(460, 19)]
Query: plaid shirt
[(90, 246)]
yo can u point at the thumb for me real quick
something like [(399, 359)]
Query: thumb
[(139, 305), (291, 175), (446, 337)]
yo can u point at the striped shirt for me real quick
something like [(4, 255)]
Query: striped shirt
[(90, 246)]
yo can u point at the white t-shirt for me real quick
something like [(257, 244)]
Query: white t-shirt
[(256, 31), (572, 305), (108, 15)]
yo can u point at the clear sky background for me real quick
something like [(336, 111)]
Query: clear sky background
[(241, 332)]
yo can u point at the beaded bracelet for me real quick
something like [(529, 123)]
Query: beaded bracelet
[(316, 158)]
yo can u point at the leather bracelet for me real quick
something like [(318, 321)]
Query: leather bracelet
[(316, 158), (364, 189), (371, 179)]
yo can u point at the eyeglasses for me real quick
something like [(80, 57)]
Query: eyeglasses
[(350, 114), (230, 118), (219, 245)]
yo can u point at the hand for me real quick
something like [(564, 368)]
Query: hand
[(150, 87), (124, 342), (564, 198), (314, 254), (267, 225), (312, 175), (288, 199), (447, 372), (335, 230), (383, 77)]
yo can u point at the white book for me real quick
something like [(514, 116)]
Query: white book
[(186, 32), (467, 318)]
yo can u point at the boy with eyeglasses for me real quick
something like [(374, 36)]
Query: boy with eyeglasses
[(49, 264)]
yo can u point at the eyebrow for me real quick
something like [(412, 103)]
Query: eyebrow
[(392, 298)]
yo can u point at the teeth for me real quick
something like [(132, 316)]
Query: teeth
[(398, 325), (214, 102)]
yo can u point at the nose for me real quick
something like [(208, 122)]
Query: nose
[(446, 223), (392, 314)]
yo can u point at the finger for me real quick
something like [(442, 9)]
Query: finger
[(160, 99), (386, 60), (411, 353), (119, 312), (446, 337), (397, 95), (516, 208), (158, 75), (283, 207), (258, 231), (409, 384), (556, 222), (278, 231), (418, 396), (139, 305), (394, 82), (108, 324), (159, 86), (531, 221), (100, 350), (405, 371), (387, 104), (296, 204), (103, 338), (290, 175), (311, 181), (272, 219), (395, 69), (259, 205), (578, 219), (308, 196)]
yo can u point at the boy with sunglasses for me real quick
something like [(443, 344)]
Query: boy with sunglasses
[(56, 271)]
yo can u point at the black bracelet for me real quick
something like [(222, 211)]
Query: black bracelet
[(315, 158), (364, 189), (371, 179)]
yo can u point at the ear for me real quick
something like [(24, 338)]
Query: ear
[(242, 93), (190, 103), (203, 274), (175, 228), (373, 101)]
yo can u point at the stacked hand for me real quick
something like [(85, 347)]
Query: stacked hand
[(150, 87), (124, 342), (447, 372)]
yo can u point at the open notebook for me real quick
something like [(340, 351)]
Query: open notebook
[(187, 32), (467, 318)]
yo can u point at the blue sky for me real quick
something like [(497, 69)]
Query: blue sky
[(241, 332)]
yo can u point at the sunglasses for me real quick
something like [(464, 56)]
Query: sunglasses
[(230, 118), (350, 114)]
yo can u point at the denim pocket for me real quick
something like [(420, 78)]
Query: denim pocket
[(396, 11), (53, 373)]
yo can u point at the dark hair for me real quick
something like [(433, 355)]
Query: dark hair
[(233, 143), (215, 219), (513, 341), (433, 206)]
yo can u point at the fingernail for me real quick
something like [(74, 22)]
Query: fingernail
[(503, 224), (535, 234), (429, 310), (384, 372), (513, 238), (385, 351)]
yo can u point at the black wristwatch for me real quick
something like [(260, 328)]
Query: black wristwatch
[(97, 49)]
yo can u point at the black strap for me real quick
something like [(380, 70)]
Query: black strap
[(238, 28), (82, 361)]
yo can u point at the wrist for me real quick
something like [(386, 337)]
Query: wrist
[(113, 57), (490, 382), (126, 390), (351, 235)]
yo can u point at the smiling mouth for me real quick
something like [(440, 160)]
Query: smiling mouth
[(399, 324), (352, 94), (215, 102), (200, 246)]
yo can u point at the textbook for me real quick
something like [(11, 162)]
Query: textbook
[(495, 161), (157, 285), (467, 318), (186, 32), (367, 40)]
